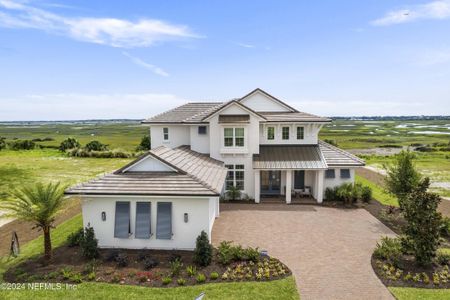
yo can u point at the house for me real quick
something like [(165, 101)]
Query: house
[(257, 143)]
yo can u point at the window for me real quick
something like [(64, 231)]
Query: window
[(166, 133), (164, 221), (235, 177), (285, 133), (122, 220), (233, 137), (143, 222), (270, 133), (345, 173), (300, 133), (202, 130), (329, 173)]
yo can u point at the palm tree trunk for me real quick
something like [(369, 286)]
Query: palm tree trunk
[(47, 243)]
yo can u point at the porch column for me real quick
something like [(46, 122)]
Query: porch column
[(319, 186), (257, 185), (288, 186)]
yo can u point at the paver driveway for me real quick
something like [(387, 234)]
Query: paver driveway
[(328, 249)]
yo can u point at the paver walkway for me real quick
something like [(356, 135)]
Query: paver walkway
[(327, 249)]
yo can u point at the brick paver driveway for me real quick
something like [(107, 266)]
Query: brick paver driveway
[(328, 249)]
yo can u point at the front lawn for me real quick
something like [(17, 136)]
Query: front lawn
[(419, 294), (377, 192)]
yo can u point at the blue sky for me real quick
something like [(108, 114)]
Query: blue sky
[(132, 59)]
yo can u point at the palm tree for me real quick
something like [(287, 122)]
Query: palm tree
[(38, 204)]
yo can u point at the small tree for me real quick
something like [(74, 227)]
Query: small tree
[(38, 204), (96, 146), (145, 144), (402, 176), (89, 244), (423, 222), (2, 143), (68, 144), (203, 250)]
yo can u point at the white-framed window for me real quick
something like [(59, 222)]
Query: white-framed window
[(330, 173), (233, 137), (271, 133), (235, 177), (285, 133), (166, 133), (300, 133), (345, 173)]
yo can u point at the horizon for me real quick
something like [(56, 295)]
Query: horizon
[(136, 59)]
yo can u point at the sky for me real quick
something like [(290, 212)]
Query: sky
[(93, 59)]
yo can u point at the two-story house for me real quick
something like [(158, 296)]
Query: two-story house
[(256, 143)]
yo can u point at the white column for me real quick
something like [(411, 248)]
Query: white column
[(217, 207), (257, 185), (288, 186), (319, 185)]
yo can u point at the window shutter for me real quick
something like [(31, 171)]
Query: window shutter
[(164, 221), (122, 220), (143, 218)]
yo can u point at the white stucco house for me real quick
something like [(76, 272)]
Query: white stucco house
[(257, 143)]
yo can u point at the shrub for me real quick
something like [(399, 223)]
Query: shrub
[(331, 193), (145, 144), (445, 227), (442, 257), (174, 257), (331, 142), (22, 145), (201, 278), (251, 254), (89, 244), (389, 249), (181, 281), (69, 143), (166, 280), (214, 275), (96, 146), (233, 193), (150, 263), (175, 267), (66, 273), (99, 154), (191, 271), (91, 276), (203, 250), (74, 239), (346, 193), (77, 278), (2, 143), (225, 253), (111, 255), (366, 194), (122, 260)]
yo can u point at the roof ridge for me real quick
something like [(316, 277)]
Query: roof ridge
[(342, 151)]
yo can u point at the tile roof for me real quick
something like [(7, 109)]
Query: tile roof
[(337, 157), (188, 113), (292, 117), (289, 157), (197, 174)]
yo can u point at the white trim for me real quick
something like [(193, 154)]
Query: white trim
[(268, 96), (239, 105), (141, 196), (145, 158)]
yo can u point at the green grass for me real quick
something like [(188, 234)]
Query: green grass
[(419, 294), (377, 192)]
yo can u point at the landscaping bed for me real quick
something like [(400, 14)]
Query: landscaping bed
[(152, 268)]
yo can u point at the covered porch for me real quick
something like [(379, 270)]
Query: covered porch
[(291, 172)]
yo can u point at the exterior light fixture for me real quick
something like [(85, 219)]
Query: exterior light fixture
[(186, 218), (103, 216)]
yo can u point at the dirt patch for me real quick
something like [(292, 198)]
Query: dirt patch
[(388, 215), (25, 230)]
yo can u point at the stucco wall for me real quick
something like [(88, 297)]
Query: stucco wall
[(311, 132), (178, 135), (260, 102), (199, 142), (201, 217), (332, 182)]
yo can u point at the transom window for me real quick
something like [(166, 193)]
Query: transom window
[(270, 133), (300, 133), (166, 133), (233, 137), (235, 177), (285, 133), (330, 173), (345, 173)]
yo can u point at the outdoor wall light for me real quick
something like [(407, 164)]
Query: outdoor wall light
[(103, 216), (186, 218)]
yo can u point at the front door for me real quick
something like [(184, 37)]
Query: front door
[(271, 182), (299, 179)]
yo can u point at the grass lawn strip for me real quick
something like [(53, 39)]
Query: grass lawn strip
[(419, 294)]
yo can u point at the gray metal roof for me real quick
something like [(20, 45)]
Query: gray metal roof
[(196, 174), (188, 113), (337, 157), (234, 118), (289, 157), (292, 117)]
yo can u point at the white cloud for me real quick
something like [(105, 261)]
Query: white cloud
[(77, 106), (106, 31), (245, 45), (433, 10), (140, 62)]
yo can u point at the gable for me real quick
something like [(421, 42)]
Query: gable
[(263, 102), (234, 108), (149, 164)]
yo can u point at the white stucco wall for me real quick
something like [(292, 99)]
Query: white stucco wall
[(260, 102), (149, 164), (178, 135), (311, 132), (199, 142), (332, 182), (200, 212)]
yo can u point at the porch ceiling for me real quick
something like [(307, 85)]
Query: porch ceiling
[(289, 157)]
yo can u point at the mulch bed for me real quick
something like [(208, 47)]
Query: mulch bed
[(107, 270), (388, 215)]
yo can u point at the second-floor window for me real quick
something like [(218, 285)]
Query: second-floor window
[(166, 133), (285, 133), (270, 133), (233, 137), (300, 133)]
